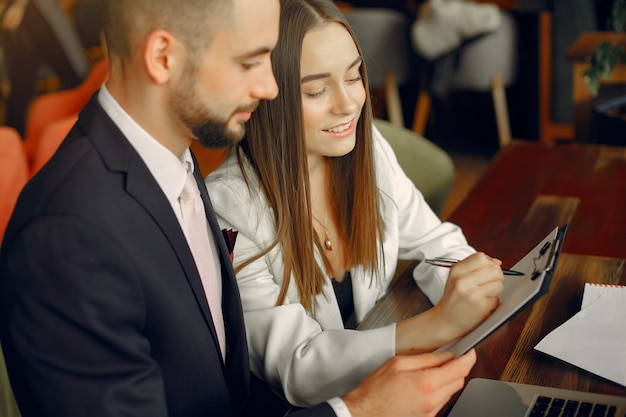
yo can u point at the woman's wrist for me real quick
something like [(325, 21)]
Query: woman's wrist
[(423, 333)]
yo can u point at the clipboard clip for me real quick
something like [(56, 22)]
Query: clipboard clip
[(552, 246)]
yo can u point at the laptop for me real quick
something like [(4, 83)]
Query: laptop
[(493, 398)]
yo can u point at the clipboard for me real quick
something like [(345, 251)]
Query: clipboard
[(519, 292)]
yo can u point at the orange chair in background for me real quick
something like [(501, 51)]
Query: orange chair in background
[(208, 159), (13, 173), (52, 115), (49, 141), (58, 105), (54, 133)]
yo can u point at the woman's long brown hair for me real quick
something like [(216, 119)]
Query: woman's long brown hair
[(275, 147)]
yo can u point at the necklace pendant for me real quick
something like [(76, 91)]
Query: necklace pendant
[(327, 243)]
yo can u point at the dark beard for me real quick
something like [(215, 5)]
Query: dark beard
[(214, 135), (206, 127)]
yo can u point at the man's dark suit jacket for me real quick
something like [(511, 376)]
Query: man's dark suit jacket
[(102, 308)]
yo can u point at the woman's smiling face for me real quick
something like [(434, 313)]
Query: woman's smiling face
[(333, 93)]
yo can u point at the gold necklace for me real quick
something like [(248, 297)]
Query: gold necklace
[(327, 243)]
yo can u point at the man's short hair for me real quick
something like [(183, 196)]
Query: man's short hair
[(193, 22)]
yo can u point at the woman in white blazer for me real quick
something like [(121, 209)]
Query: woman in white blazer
[(323, 211)]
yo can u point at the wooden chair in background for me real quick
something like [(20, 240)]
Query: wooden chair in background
[(383, 35), (489, 64), (501, 110)]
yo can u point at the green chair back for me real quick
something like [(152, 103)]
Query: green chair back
[(8, 407), (429, 167)]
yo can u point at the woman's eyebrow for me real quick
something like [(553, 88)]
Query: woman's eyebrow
[(357, 61), (314, 77)]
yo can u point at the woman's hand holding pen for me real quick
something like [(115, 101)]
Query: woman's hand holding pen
[(470, 295)]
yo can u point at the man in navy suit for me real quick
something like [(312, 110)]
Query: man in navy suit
[(102, 308)]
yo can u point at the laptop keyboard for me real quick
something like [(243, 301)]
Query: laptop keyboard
[(557, 407)]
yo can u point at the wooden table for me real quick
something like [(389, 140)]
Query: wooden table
[(527, 191)]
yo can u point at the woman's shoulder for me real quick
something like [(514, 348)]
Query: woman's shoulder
[(228, 185), (384, 156), (238, 200), (234, 170)]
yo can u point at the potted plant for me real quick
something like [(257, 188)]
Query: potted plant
[(606, 55)]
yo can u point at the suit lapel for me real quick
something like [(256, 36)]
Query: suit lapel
[(121, 157)]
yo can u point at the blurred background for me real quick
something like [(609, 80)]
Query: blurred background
[(468, 75)]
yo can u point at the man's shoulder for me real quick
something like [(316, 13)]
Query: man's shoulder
[(74, 179)]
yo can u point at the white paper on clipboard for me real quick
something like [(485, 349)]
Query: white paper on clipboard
[(519, 291)]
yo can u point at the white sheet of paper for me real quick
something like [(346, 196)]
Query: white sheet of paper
[(594, 339), (593, 291)]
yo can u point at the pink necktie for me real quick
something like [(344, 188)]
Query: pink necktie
[(194, 219)]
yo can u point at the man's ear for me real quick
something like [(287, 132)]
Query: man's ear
[(160, 55)]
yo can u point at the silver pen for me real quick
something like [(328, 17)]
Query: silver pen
[(448, 262)]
